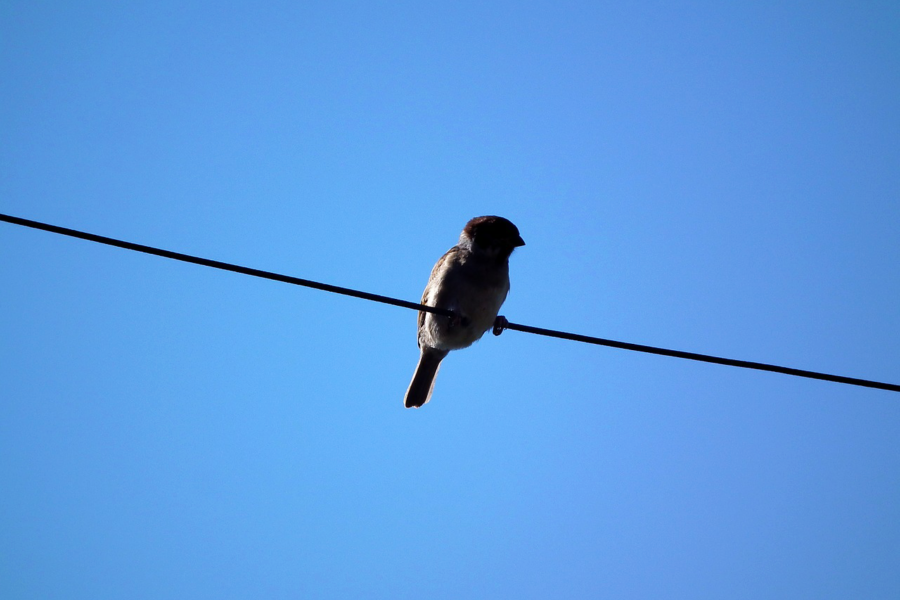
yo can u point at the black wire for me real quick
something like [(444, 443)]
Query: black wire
[(731, 362), (500, 325), (223, 265)]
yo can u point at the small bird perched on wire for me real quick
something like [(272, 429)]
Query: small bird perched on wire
[(472, 280)]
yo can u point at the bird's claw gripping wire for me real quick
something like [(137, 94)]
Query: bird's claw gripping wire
[(500, 324)]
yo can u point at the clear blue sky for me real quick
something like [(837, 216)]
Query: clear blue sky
[(715, 177)]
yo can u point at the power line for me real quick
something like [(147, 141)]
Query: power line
[(216, 264), (731, 362), (500, 325)]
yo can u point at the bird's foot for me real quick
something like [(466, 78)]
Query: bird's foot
[(500, 324)]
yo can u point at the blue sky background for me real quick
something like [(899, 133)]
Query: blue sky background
[(713, 177)]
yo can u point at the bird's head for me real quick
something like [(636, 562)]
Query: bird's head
[(494, 236)]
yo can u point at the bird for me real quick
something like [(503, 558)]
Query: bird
[(472, 280)]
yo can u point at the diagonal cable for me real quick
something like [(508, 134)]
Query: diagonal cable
[(216, 264)]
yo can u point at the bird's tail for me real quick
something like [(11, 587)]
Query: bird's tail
[(422, 383)]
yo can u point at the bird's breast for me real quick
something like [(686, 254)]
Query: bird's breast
[(475, 294)]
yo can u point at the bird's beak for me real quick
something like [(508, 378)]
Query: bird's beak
[(518, 241)]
